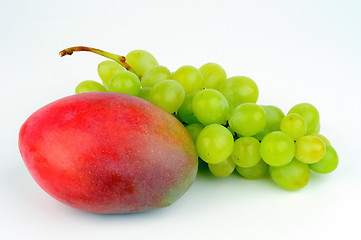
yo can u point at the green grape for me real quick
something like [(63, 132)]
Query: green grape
[(310, 149), (318, 128), (89, 86), (258, 171), (107, 69), (309, 113), (328, 162), (213, 75), (274, 117), (293, 176), (214, 143), (186, 111), (210, 106), (248, 119), (222, 169), (190, 78), (277, 148), (167, 94), (144, 93), (294, 125), (246, 152), (125, 82), (239, 90), (141, 61), (194, 130), (155, 75), (324, 139)]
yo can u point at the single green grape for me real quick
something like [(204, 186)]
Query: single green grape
[(186, 111), (274, 117), (277, 148), (194, 130), (222, 169), (213, 75), (190, 78), (324, 139), (248, 119), (141, 61), (328, 162), (239, 90), (309, 113), (155, 75), (144, 93), (167, 94), (107, 69), (310, 149), (258, 171), (89, 86), (294, 125), (214, 143), (293, 176), (246, 152), (125, 82), (210, 106)]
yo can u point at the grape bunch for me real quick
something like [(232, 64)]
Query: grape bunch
[(230, 131)]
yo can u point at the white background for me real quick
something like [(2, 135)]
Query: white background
[(296, 51)]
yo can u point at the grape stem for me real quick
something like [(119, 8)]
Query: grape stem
[(117, 58)]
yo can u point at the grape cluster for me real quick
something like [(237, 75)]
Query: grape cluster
[(230, 131)]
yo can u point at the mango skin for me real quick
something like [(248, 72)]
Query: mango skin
[(105, 152)]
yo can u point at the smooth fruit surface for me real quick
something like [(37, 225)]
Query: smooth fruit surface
[(108, 153), (274, 117), (214, 143), (277, 149), (260, 170), (310, 149), (125, 82), (239, 90), (294, 125), (167, 94), (210, 106), (190, 78), (222, 169), (107, 69), (293, 176), (89, 86), (213, 75), (309, 113), (246, 152), (155, 75), (248, 119), (141, 61), (328, 162)]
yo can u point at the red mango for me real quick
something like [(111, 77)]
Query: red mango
[(107, 152)]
